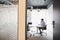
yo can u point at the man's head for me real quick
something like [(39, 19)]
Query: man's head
[(42, 19)]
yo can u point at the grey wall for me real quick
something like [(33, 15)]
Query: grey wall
[(56, 30), (56, 17)]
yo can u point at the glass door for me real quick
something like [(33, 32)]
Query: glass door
[(39, 20)]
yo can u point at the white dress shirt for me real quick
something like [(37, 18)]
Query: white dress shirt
[(43, 24)]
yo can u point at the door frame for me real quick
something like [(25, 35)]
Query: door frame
[(22, 20)]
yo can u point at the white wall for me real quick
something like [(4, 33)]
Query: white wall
[(28, 16)]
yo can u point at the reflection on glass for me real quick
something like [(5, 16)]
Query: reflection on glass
[(8, 19)]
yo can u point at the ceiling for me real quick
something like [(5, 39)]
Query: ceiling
[(38, 3), (8, 2)]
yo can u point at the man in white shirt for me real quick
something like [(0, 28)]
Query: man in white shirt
[(43, 26), (43, 23)]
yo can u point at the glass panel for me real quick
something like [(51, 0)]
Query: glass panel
[(8, 19)]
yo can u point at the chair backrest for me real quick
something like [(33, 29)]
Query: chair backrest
[(45, 27)]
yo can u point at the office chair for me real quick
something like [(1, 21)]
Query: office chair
[(28, 29)]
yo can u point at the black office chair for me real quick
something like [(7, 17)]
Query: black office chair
[(28, 29), (44, 28)]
